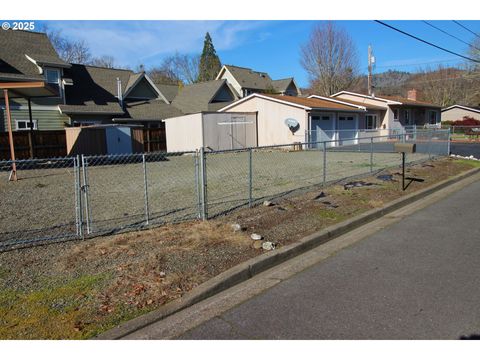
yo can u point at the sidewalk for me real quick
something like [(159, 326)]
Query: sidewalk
[(417, 278)]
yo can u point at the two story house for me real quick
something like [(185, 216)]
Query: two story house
[(246, 81)]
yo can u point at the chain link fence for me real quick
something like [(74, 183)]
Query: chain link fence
[(65, 198)]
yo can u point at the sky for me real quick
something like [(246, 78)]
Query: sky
[(269, 46)]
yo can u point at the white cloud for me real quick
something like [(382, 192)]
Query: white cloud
[(135, 42)]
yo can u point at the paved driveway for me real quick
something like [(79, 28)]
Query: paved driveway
[(417, 279)]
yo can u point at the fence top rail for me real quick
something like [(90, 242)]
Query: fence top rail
[(138, 155), (40, 160)]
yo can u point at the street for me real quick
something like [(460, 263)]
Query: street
[(415, 279)]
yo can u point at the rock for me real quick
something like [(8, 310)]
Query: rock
[(256, 236), (268, 245), (386, 177), (320, 196), (257, 244), (162, 274), (236, 227), (267, 203), (353, 184)]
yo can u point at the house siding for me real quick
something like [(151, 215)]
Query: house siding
[(458, 114), (271, 121), (46, 119), (143, 90)]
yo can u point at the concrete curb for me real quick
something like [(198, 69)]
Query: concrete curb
[(254, 266)]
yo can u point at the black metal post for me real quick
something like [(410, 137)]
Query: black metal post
[(403, 171)]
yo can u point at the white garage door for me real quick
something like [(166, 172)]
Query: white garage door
[(347, 129)]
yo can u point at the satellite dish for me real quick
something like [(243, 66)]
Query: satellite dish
[(292, 124)]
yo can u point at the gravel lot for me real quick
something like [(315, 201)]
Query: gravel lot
[(42, 203)]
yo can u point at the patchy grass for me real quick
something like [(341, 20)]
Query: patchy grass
[(472, 163), (77, 289)]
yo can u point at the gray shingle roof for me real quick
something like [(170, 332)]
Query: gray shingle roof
[(196, 97), (169, 91), (150, 110), (249, 78), (14, 45), (95, 88), (282, 84)]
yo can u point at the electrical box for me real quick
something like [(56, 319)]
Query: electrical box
[(405, 148)]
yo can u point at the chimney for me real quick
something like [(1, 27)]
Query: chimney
[(119, 92), (412, 95)]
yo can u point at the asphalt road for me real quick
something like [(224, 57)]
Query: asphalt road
[(417, 279), (465, 149)]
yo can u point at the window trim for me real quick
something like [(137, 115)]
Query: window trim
[(60, 82), (27, 122)]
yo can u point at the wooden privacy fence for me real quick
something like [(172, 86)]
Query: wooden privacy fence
[(53, 143), (36, 144)]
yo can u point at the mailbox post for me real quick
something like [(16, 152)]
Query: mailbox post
[(405, 148)]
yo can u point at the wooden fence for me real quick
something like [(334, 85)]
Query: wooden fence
[(47, 144), (36, 144)]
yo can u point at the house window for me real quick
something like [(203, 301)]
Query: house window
[(52, 77), (23, 125), (432, 118), (371, 121), (395, 115)]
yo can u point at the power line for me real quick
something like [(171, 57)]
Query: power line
[(463, 26), (426, 42), (453, 36)]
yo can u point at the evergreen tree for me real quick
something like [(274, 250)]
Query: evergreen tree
[(210, 65)]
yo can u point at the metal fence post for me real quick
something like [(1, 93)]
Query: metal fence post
[(78, 197), (197, 185), (250, 178), (85, 193), (145, 189), (203, 183), (371, 154), (448, 142), (324, 163)]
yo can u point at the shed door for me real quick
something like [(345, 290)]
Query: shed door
[(119, 140), (347, 129)]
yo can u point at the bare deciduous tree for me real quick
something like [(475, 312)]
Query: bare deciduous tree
[(177, 68), (71, 51), (330, 59), (104, 61)]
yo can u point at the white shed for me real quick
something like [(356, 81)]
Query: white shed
[(212, 130)]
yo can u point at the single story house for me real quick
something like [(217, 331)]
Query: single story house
[(289, 119), (458, 112), (394, 112), (246, 81)]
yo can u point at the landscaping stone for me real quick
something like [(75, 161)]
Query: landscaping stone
[(236, 227), (268, 245), (256, 236), (320, 196), (354, 184), (267, 203), (386, 177)]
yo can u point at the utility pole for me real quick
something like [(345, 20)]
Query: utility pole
[(371, 62)]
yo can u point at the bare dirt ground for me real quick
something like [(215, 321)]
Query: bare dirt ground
[(80, 288)]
